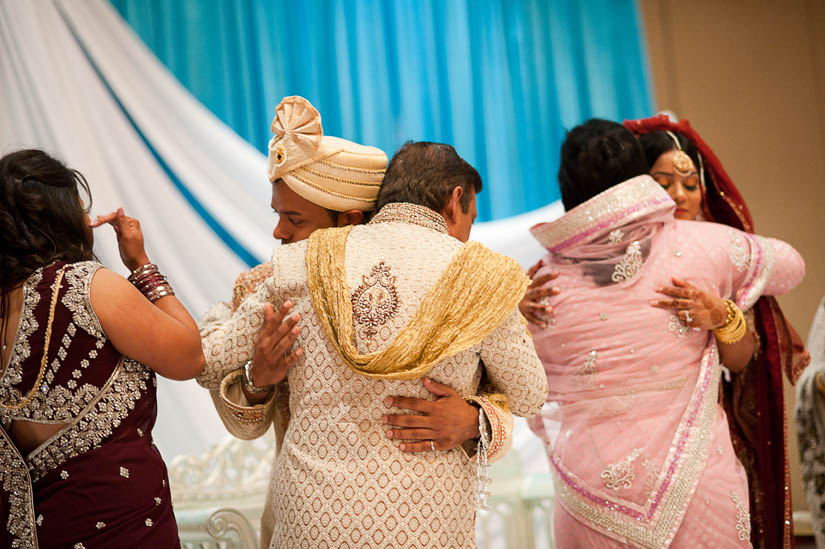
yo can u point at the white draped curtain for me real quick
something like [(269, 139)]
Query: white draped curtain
[(78, 83)]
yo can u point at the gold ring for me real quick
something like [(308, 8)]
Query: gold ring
[(432, 446)]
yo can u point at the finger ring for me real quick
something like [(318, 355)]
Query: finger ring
[(688, 319), (432, 446)]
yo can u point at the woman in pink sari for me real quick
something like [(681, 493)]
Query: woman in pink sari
[(639, 447), (753, 396)]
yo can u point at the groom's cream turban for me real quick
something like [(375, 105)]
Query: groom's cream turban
[(329, 171)]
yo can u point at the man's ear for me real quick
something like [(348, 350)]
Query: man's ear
[(350, 217), (453, 205)]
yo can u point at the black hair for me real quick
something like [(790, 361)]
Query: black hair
[(426, 173), (595, 156), (41, 215)]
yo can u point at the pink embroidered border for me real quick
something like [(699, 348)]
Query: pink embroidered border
[(671, 468), (609, 222)]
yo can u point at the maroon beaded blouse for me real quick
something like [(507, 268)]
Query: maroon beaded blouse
[(99, 481)]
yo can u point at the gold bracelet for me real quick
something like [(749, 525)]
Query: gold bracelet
[(731, 319), (733, 332), (735, 327), (820, 382)]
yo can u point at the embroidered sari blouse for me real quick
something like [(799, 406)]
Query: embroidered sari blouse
[(632, 406), (99, 480)]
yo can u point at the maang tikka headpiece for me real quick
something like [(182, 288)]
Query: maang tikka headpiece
[(681, 161)]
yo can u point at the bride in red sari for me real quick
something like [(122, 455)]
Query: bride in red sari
[(753, 398), (80, 350)]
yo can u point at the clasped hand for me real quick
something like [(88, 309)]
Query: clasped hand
[(448, 421)]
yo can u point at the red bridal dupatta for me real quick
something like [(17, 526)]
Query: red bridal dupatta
[(753, 400)]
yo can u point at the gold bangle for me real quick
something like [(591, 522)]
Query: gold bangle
[(733, 331), (730, 320), (735, 327)]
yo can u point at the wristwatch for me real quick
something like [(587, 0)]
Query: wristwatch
[(249, 383)]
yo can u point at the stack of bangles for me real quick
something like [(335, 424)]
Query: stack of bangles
[(735, 326), (150, 282)]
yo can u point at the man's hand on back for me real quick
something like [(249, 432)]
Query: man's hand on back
[(448, 421)]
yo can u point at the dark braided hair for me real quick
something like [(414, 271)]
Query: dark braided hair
[(41, 215)]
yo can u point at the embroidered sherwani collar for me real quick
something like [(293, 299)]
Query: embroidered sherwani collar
[(405, 212), (614, 207)]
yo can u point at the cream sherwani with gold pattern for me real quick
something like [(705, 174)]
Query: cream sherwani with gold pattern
[(338, 481)]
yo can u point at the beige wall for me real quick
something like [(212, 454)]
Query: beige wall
[(750, 77)]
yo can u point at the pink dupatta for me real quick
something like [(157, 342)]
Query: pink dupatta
[(632, 410)]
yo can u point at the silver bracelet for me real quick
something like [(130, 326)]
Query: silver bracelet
[(482, 474), (249, 383)]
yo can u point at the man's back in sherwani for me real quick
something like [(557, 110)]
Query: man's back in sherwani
[(338, 481)]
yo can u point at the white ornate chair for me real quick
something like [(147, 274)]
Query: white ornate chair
[(219, 497)]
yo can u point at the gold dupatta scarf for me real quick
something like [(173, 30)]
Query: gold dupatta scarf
[(473, 296)]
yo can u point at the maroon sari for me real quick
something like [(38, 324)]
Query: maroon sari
[(99, 481), (753, 399)]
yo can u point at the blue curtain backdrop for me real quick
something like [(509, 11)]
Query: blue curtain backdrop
[(500, 80)]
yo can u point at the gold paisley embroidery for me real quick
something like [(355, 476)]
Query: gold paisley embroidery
[(248, 282), (375, 301)]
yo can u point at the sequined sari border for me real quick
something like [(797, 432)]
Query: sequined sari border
[(657, 525), (19, 505), (632, 199), (755, 284)]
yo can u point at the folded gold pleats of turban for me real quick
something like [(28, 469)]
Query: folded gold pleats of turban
[(329, 171)]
